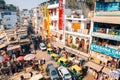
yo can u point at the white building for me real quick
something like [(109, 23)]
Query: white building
[(9, 19), (36, 19), (25, 13)]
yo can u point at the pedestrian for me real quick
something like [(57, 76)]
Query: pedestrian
[(22, 77), (31, 74), (44, 61)]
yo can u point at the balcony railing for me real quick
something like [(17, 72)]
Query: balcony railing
[(105, 13), (107, 31), (82, 31)]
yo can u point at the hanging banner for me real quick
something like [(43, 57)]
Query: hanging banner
[(60, 24)]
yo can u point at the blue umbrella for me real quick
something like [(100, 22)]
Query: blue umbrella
[(1, 59)]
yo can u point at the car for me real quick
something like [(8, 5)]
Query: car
[(42, 46), (51, 70), (64, 73)]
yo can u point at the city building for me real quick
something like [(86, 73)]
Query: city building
[(25, 16), (36, 20), (56, 19), (105, 43), (43, 7), (9, 19), (77, 27)]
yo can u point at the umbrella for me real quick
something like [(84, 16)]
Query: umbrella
[(1, 59), (29, 57), (6, 57), (20, 58)]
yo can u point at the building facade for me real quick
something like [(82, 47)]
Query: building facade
[(106, 34), (9, 19)]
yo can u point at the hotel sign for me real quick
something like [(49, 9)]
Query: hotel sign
[(105, 50)]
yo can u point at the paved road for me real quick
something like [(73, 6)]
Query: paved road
[(40, 55)]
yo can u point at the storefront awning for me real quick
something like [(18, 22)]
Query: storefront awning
[(13, 47), (2, 45), (104, 19), (106, 70), (93, 66)]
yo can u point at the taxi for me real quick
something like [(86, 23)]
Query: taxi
[(49, 50), (54, 56), (64, 62), (77, 72)]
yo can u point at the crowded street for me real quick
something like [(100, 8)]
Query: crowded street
[(60, 40)]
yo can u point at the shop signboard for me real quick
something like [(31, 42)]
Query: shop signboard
[(105, 50), (106, 36), (60, 14)]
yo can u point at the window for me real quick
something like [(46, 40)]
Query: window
[(53, 73)]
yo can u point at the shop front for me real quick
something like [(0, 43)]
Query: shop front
[(104, 56), (77, 42)]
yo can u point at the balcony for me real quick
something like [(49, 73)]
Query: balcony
[(106, 36), (76, 18), (111, 13), (81, 31), (107, 31), (55, 17), (107, 9)]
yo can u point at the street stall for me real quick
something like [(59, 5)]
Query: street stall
[(93, 68)]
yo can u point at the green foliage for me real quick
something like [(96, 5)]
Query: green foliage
[(90, 4)]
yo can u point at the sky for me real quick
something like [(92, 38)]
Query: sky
[(25, 4)]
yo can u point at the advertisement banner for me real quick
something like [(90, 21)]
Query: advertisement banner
[(104, 50), (60, 20)]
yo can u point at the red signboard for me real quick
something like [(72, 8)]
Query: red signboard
[(60, 24)]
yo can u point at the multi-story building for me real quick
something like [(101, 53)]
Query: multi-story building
[(77, 27), (53, 16), (36, 20), (25, 16), (44, 19), (105, 44), (9, 19)]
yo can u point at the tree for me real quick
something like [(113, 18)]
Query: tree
[(2, 4), (11, 7), (90, 3)]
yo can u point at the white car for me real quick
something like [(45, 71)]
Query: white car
[(64, 73), (42, 46)]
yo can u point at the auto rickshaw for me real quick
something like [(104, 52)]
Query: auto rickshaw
[(49, 50), (54, 56), (76, 71), (64, 62)]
